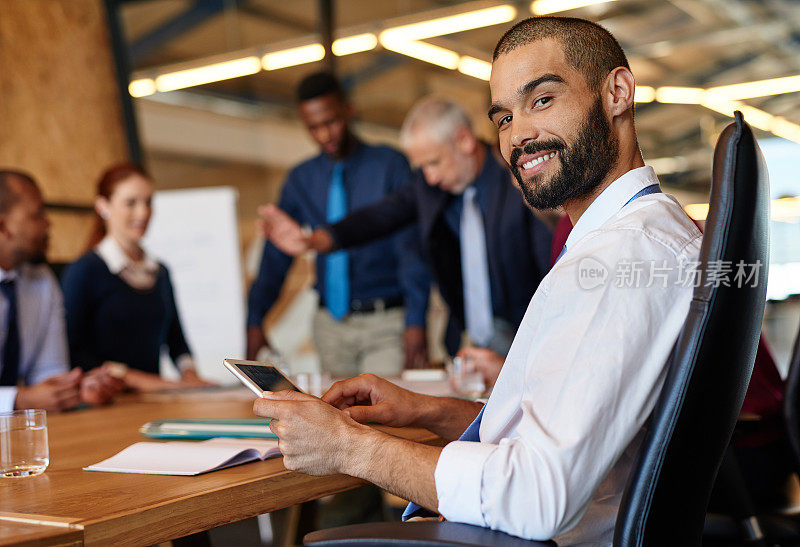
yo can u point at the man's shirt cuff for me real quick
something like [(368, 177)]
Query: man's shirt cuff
[(458, 477), (414, 317), (8, 395)]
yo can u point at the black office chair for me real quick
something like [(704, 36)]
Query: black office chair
[(791, 404), (667, 494), (709, 370)]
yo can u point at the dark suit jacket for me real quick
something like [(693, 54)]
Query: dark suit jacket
[(518, 243)]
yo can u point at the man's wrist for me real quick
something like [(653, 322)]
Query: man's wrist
[(361, 445), (427, 410), (320, 240)]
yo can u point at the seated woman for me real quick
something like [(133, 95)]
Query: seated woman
[(119, 301)]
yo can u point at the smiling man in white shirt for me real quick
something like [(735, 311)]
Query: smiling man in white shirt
[(550, 452)]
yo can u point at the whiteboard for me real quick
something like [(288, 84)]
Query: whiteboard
[(195, 234)]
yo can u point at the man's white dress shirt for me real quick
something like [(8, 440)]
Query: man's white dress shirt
[(42, 335), (560, 431)]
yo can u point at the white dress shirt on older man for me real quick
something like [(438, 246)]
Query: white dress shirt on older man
[(42, 335), (561, 428)]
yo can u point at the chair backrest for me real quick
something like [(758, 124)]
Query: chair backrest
[(665, 500), (791, 404)]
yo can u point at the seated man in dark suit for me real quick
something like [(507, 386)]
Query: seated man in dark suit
[(550, 453), (486, 250), (34, 361)]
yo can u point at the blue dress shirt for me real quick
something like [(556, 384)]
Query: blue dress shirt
[(387, 268), (42, 337)]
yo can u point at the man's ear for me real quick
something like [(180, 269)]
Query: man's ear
[(618, 91), (465, 140)]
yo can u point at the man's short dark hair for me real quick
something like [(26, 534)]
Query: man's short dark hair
[(588, 47), (318, 84), (9, 196)]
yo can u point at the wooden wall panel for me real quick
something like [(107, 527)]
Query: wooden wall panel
[(59, 103)]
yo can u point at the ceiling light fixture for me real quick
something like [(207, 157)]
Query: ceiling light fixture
[(680, 95), (354, 44), (475, 67), (429, 53), (543, 7), (453, 23), (207, 74), (760, 88), (644, 94), (293, 56), (142, 87)]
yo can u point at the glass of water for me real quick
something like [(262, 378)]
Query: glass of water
[(465, 378), (23, 443)]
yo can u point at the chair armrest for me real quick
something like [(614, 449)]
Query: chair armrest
[(419, 534)]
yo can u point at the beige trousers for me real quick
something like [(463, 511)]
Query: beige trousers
[(361, 342)]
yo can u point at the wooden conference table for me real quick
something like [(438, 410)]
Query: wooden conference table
[(69, 506)]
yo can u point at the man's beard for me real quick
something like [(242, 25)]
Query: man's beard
[(584, 165)]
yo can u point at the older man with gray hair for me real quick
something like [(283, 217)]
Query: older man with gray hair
[(486, 249)]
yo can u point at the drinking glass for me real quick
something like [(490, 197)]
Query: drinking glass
[(465, 378), (23, 443)]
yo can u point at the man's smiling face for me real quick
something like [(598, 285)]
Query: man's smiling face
[(553, 130)]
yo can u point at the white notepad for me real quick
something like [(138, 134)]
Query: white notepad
[(186, 457)]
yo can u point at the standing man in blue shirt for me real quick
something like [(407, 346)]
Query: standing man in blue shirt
[(360, 325)]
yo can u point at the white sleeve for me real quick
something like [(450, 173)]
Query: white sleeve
[(591, 364), (8, 395)]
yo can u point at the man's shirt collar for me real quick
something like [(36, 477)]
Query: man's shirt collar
[(611, 200)]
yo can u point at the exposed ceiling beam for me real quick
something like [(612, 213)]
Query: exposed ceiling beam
[(272, 16), (179, 24)]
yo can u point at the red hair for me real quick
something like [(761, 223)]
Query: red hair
[(109, 180)]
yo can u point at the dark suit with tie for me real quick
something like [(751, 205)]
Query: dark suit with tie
[(518, 243)]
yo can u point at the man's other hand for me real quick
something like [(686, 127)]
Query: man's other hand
[(314, 437), (100, 386), (368, 398), (415, 345), (190, 378), (282, 230), (487, 362), (54, 394), (255, 341)]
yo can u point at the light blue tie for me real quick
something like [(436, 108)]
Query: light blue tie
[(475, 272), (471, 434), (337, 265)]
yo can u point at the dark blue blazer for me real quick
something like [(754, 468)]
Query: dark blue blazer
[(518, 243)]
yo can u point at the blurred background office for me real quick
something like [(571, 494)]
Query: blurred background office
[(201, 92)]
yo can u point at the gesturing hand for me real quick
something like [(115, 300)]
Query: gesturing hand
[(100, 386), (368, 398), (282, 230), (314, 437)]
